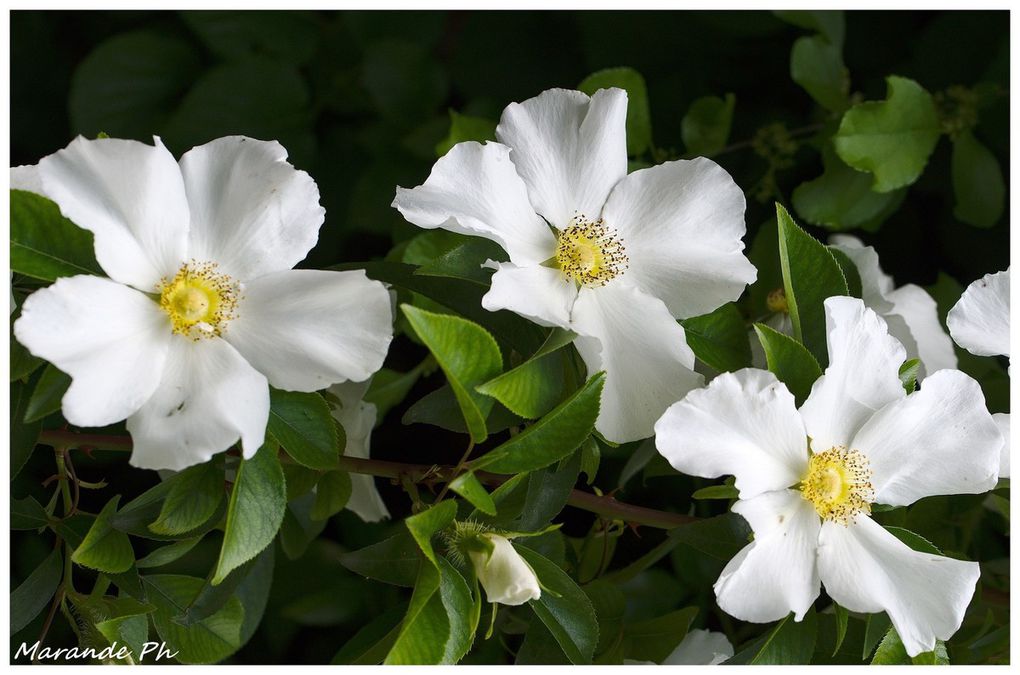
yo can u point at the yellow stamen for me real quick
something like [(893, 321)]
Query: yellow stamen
[(776, 301), (590, 253), (199, 300), (838, 484)]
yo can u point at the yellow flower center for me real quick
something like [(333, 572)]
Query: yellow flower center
[(590, 253), (838, 484), (199, 300)]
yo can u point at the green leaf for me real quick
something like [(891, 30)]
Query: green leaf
[(978, 185), (370, 645), (257, 505), (404, 81), (28, 514), (34, 593), (609, 604), (829, 23), (392, 561), (48, 392), (299, 529), (465, 262), (24, 436), (789, 361), (208, 641), (437, 628), (728, 491), (719, 338), (44, 244), (534, 387), (290, 36), (469, 487), (389, 388), (194, 497), (639, 120), (468, 356), (655, 639), (810, 275), (841, 198), (22, 362), (849, 269), (566, 611), (875, 628), (890, 139), (424, 525), (706, 126), (591, 457), (164, 555), (126, 86), (817, 65), (304, 427), (331, 494), (551, 438), (913, 540), (789, 642), (466, 128), (908, 374), (104, 548), (842, 621)]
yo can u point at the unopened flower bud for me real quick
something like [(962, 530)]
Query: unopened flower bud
[(506, 577)]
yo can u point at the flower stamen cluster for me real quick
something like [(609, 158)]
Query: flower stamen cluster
[(838, 484), (590, 253), (199, 300)]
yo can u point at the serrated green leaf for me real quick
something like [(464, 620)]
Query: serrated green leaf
[(591, 457), (533, 388), (370, 645), (875, 628), (841, 198), (48, 392), (817, 65), (890, 139), (789, 361), (392, 561), (468, 356), (810, 275), (44, 244), (913, 540), (639, 120), (566, 611), (719, 338), (466, 128), (423, 526), (164, 555), (551, 438), (717, 492), (35, 592), (609, 604), (465, 261), (28, 514), (705, 128), (469, 487), (789, 642), (849, 269), (104, 548), (389, 388), (208, 641), (978, 185), (842, 621), (298, 529), (655, 639), (331, 494), (908, 374), (304, 427), (255, 513), (194, 496)]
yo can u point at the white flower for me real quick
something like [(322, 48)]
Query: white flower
[(201, 310), (358, 418), (909, 311), (979, 322), (698, 648), (616, 258), (807, 479), (506, 577)]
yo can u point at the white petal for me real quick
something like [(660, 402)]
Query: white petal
[(924, 338), (863, 374), (307, 329), (474, 189), (776, 573), (27, 178), (569, 149), (979, 322), (208, 398), (644, 352), (506, 577), (682, 223), (131, 197), (700, 648), (109, 338), (1002, 419), (743, 424), (937, 441), (251, 211), (866, 569), (539, 293), (358, 418), (876, 285)]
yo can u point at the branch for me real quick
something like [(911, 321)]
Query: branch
[(605, 506)]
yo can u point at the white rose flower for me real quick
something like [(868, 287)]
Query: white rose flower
[(201, 310), (979, 322), (358, 419), (807, 479), (506, 577), (616, 258)]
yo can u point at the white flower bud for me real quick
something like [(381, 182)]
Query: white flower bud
[(506, 577)]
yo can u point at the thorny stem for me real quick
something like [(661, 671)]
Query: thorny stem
[(458, 470), (423, 473)]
